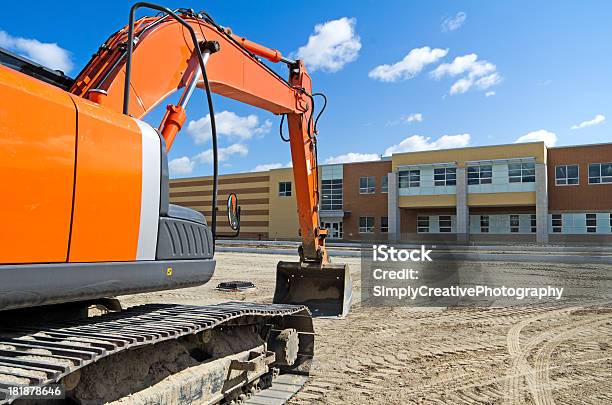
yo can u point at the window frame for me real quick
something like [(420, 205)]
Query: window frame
[(478, 170), (600, 177), (367, 228), (590, 216), (447, 178), (285, 192), (384, 224), (368, 189), (423, 228), (559, 227), (409, 177), (449, 226), (567, 178), (533, 222), (522, 176), (517, 227), (335, 202), (485, 224)]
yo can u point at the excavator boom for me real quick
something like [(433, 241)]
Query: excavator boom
[(234, 71)]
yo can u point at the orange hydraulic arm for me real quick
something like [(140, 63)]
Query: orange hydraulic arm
[(164, 61)]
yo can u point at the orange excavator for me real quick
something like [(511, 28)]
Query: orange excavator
[(87, 217)]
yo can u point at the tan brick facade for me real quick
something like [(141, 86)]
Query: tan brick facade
[(268, 215)]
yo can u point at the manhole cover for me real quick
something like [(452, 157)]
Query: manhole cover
[(235, 285)]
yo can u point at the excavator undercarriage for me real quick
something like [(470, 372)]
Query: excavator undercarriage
[(234, 350)]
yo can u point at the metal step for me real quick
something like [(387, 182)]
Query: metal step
[(58, 349), (283, 388)]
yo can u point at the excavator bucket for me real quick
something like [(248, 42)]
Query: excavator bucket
[(327, 290)]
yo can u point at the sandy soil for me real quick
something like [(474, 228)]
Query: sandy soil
[(436, 355)]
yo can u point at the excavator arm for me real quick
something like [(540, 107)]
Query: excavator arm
[(162, 58), (164, 61)]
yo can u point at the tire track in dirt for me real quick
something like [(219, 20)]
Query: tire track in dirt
[(542, 360), (520, 368)]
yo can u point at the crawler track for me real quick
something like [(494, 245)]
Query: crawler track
[(44, 354)]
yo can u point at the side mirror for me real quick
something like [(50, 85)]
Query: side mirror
[(233, 212)]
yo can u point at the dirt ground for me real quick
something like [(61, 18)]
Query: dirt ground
[(436, 355)]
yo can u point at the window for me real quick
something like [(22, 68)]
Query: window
[(284, 189), (366, 224), (566, 175), (611, 222), (600, 173), (423, 224), (533, 223), (445, 176), (444, 223), (521, 172), (410, 178), (591, 223), (384, 184), (557, 223), (482, 174), (367, 185), (514, 223), (484, 224), (384, 224), (331, 194)]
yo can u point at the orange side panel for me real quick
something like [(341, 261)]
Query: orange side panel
[(37, 147), (108, 186)]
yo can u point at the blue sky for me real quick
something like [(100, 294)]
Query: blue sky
[(399, 75)]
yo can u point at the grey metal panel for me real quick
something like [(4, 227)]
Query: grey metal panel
[(43, 284), (180, 212), (179, 239), (164, 199)]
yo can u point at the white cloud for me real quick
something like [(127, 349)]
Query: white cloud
[(186, 165), (489, 93), (352, 157), (332, 45), (599, 118), (479, 73), (415, 117), (410, 66), (549, 138), (267, 166), (417, 143), (461, 86), (47, 54), (491, 80), (454, 23), (224, 153), (228, 124), (182, 165)]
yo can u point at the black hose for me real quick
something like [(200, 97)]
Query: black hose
[(198, 51), (280, 129), (320, 112)]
